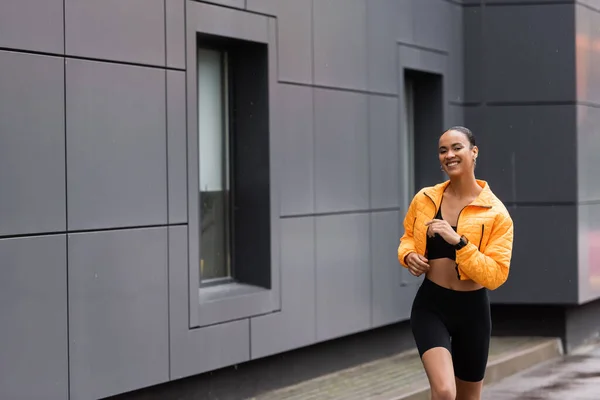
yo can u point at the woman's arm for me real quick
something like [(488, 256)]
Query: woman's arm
[(407, 241), (489, 268)]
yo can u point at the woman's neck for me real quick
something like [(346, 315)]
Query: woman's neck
[(464, 187)]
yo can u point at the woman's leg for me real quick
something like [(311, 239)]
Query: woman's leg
[(468, 390), (433, 342), (470, 347), (469, 356), (438, 366)]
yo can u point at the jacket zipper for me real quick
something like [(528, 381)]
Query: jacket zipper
[(457, 221), (481, 238)]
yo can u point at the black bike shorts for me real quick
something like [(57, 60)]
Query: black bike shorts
[(459, 321)]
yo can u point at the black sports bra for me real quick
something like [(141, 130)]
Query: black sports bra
[(437, 247)]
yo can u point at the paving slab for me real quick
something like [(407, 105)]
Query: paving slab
[(574, 377), (401, 377)]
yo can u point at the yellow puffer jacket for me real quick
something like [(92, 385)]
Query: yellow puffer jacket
[(485, 222)]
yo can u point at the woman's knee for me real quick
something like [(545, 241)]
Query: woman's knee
[(438, 365), (443, 392)]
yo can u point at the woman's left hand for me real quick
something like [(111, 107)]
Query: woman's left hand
[(443, 229)]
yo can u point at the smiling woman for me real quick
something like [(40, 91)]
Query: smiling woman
[(459, 234)]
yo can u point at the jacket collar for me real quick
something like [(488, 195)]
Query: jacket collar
[(484, 199)]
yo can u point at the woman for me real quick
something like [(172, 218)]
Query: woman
[(459, 234)]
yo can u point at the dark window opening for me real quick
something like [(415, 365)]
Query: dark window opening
[(424, 125)]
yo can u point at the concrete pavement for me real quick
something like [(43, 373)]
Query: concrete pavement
[(401, 377), (573, 377)]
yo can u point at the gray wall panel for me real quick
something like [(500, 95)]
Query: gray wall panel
[(587, 38), (193, 351), (233, 302), (588, 55), (175, 33), (390, 302), (455, 82), (455, 115), (33, 310), (540, 68), (588, 153), (177, 147), (388, 21), (295, 324), (474, 61), (270, 7), (532, 258), (433, 24), (131, 31), (342, 153), (216, 20), (588, 170), (383, 146), (591, 3), (295, 41), (521, 166), (294, 37), (32, 144), (475, 120), (295, 124), (228, 3), (343, 275), (118, 311), (589, 251), (340, 51), (423, 60), (116, 138), (35, 25)]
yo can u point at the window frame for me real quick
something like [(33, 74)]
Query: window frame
[(216, 304)]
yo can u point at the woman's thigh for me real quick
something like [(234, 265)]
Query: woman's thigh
[(437, 362), (433, 342), (470, 349)]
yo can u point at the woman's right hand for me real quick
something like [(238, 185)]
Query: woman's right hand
[(417, 264)]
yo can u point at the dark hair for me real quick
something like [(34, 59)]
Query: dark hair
[(465, 131)]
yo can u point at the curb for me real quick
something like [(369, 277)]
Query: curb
[(506, 366)]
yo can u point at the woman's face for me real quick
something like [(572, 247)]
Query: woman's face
[(455, 153)]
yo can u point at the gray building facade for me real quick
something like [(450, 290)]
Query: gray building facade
[(190, 185)]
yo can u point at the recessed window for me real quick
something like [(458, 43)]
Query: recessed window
[(234, 169)]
